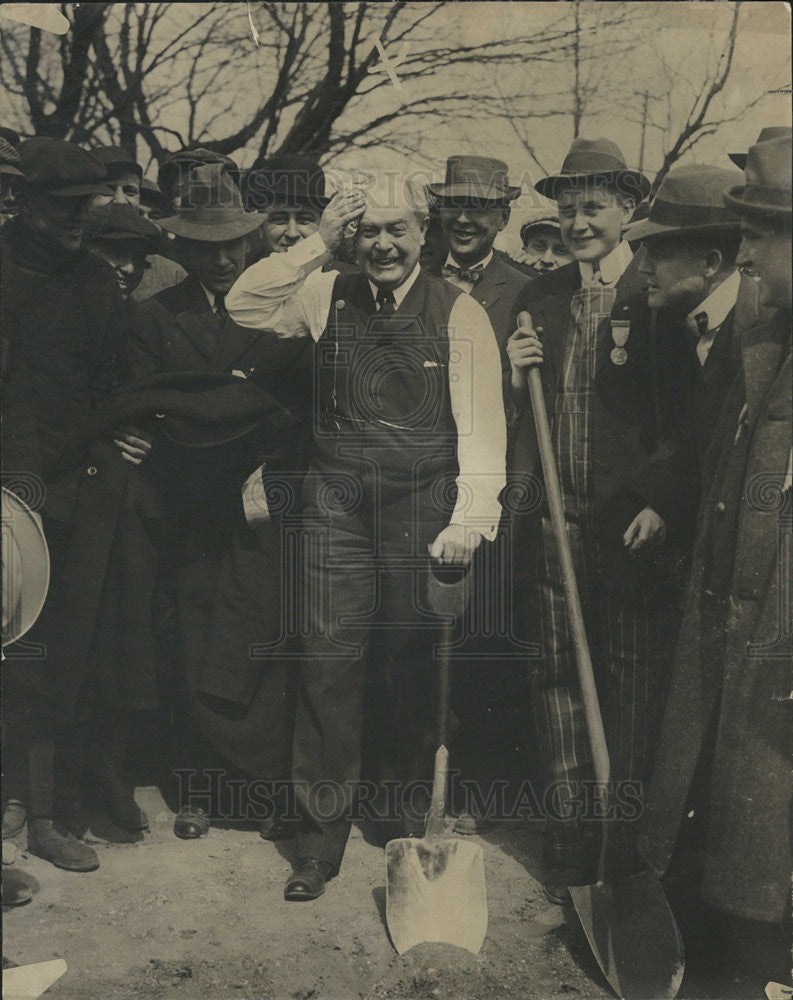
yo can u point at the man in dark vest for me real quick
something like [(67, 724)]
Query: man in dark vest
[(718, 809), (408, 458)]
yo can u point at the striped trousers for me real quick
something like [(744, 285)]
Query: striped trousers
[(631, 651)]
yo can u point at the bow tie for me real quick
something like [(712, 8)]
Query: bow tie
[(470, 274)]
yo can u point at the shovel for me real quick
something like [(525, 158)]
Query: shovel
[(435, 886), (627, 922)]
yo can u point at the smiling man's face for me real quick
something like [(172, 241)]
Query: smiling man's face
[(389, 242), (470, 229), (591, 218)]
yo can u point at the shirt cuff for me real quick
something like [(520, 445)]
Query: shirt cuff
[(308, 250)]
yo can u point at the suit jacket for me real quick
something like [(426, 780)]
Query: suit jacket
[(637, 407), (496, 292), (731, 675)]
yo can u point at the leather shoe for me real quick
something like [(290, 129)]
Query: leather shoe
[(308, 879), (190, 824), (60, 847), (468, 825), (276, 829), (557, 881), (18, 888), (122, 807)]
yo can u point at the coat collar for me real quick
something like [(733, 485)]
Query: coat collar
[(763, 350)]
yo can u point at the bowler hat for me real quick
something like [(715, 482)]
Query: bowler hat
[(26, 567), (61, 168), (689, 200), (772, 132), (209, 207), (125, 225), (767, 181), (117, 161), (545, 220), (177, 166), (475, 177), (592, 160), (286, 180)]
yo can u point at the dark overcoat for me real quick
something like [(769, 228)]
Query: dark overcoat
[(731, 676), (225, 578)]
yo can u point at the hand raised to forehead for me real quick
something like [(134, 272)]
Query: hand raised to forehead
[(343, 208)]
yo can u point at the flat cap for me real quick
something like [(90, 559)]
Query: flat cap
[(61, 168)]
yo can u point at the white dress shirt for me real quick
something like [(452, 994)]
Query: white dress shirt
[(611, 267), (289, 293), (717, 306)]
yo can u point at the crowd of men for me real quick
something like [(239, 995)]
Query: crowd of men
[(254, 417)]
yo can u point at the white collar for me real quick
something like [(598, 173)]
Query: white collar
[(451, 262), (720, 301), (611, 267), (401, 290), (210, 297)]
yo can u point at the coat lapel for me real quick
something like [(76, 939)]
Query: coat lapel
[(489, 288), (195, 317)]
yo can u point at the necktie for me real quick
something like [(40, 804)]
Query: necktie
[(697, 325), (470, 274), (220, 307), (386, 303)]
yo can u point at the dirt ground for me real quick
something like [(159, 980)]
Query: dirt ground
[(164, 919)]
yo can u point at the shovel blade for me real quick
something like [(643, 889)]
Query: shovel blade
[(435, 892), (633, 936)]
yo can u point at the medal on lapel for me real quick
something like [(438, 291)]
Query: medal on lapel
[(620, 328)]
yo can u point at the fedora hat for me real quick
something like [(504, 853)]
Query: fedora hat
[(772, 132), (209, 207), (767, 180), (61, 168), (26, 567), (175, 167), (689, 200), (475, 177), (595, 159), (286, 180)]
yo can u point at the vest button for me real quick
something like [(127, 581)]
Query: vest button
[(720, 509), (91, 470)]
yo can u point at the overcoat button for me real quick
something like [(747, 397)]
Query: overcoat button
[(720, 509), (91, 470)]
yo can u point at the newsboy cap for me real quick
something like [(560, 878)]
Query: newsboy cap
[(689, 200), (475, 177), (61, 168), (117, 161), (175, 167), (125, 225), (542, 220), (593, 160), (767, 181), (772, 132)]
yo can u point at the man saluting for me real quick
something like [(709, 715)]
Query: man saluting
[(407, 457)]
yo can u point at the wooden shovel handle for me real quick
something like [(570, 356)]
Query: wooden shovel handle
[(575, 617)]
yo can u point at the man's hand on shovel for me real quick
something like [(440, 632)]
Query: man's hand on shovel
[(524, 350)]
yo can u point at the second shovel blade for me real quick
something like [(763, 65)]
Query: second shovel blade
[(633, 936)]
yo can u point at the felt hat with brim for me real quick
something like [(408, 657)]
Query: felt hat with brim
[(772, 132), (117, 161), (209, 207), (767, 181), (285, 180), (26, 567), (689, 200), (475, 178), (61, 169), (544, 221), (125, 225), (595, 160), (193, 409), (175, 167)]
